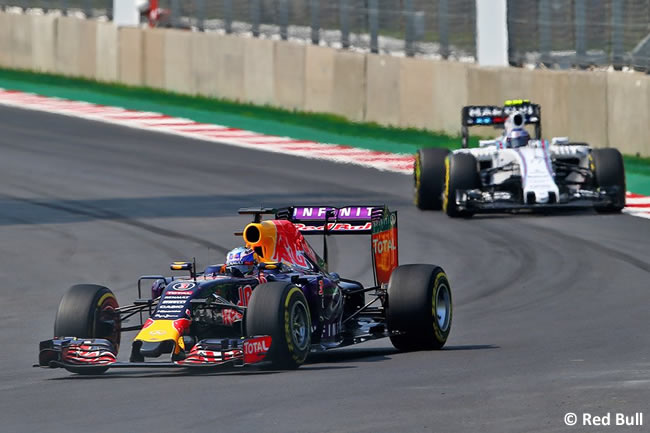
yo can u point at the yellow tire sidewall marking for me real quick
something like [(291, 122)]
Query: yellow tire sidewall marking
[(434, 298), (445, 197), (287, 324)]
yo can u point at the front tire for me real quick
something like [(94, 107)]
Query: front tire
[(609, 171), (419, 307), (281, 310), (429, 177), (88, 311), (461, 173)]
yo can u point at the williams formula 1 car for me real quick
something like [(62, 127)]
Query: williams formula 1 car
[(516, 171), (273, 312)]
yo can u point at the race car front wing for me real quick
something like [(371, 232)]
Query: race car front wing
[(75, 354), (476, 200)]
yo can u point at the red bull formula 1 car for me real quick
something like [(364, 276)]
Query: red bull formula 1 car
[(273, 313)]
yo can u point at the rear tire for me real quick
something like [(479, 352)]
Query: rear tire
[(420, 307), (429, 177), (461, 173), (609, 171), (281, 310), (88, 311)]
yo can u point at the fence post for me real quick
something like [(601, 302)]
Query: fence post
[(409, 37), (176, 12), (283, 18), (315, 21), (227, 10), (544, 24), (492, 32), (344, 18), (373, 24), (200, 12), (255, 18), (617, 34), (443, 27), (580, 23)]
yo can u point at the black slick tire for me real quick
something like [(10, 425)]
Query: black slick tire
[(609, 171), (279, 309), (88, 311), (429, 177), (461, 173), (419, 307)]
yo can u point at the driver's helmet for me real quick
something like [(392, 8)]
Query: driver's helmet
[(242, 259), (518, 137)]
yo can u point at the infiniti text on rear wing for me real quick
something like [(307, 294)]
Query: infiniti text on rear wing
[(334, 220)]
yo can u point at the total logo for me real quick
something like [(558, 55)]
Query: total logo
[(157, 332), (255, 346), (184, 286), (380, 246), (255, 349)]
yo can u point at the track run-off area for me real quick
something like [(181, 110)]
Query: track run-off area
[(638, 204), (550, 312)]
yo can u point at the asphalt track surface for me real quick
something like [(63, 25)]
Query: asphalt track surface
[(550, 317)]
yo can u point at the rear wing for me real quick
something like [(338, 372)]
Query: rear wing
[(492, 115), (311, 220), (374, 220)]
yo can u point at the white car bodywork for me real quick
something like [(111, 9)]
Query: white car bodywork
[(533, 163)]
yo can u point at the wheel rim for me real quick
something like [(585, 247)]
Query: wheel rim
[(299, 327), (106, 312), (442, 307)]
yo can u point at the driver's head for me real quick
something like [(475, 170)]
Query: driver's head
[(242, 259), (517, 137)]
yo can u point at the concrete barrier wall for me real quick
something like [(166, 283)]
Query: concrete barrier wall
[(44, 30), (319, 78), (88, 49), (22, 42), (106, 58), (628, 113), (131, 57), (178, 62), (205, 63), (450, 91), (587, 107), (259, 71), (349, 93), (229, 56), (6, 39), (68, 45), (153, 60), (416, 93), (601, 108), (550, 89), (289, 75), (383, 89)]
